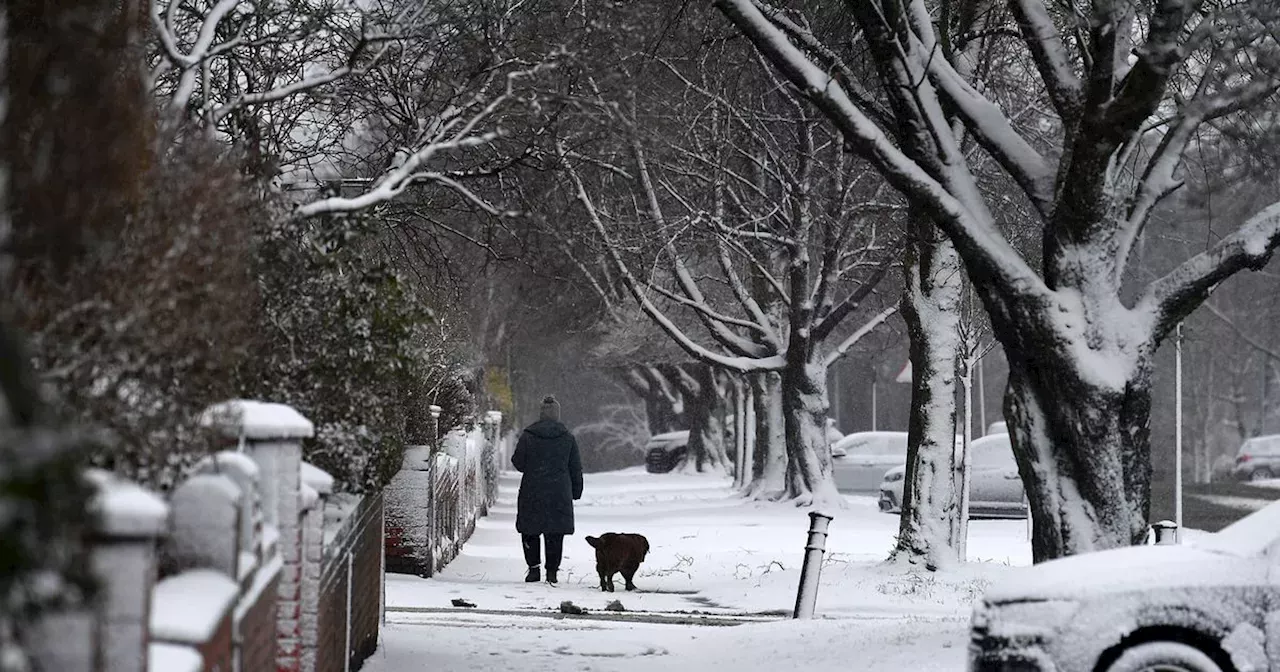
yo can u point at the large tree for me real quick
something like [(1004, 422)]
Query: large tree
[(768, 240), (1130, 87)]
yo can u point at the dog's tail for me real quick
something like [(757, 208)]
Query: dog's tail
[(644, 547)]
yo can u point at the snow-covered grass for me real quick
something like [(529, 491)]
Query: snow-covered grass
[(711, 552)]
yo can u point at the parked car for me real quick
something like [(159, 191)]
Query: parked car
[(665, 452), (1258, 459), (1209, 605), (859, 460), (995, 490)]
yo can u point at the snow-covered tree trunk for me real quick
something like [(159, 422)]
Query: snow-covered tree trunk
[(740, 427), (704, 410), (1081, 439), (660, 404), (929, 524), (769, 456), (804, 412), (749, 437)]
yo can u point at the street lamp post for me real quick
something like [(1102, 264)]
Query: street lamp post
[(1177, 436)]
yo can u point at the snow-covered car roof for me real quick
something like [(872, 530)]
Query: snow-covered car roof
[(867, 437), (1126, 570), (670, 436)]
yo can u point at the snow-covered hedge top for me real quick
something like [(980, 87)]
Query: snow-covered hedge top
[(189, 606), (417, 458), (125, 508), (317, 478), (173, 658), (257, 420)]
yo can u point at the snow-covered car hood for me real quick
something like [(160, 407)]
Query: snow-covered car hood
[(1123, 570)]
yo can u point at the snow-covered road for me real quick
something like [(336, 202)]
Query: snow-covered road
[(714, 555)]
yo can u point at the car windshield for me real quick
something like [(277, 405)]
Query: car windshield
[(1248, 536)]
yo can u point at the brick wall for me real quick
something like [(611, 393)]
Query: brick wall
[(361, 536), (258, 630), (218, 652)]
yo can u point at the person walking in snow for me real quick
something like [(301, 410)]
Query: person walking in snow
[(547, 456)]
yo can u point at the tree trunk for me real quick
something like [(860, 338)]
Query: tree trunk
[(1083, 452), (804, 410), (769, 457), (659, 409), (704, 411), (739, 432), (929, 524)]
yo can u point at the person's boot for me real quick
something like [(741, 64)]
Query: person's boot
[(551, 576), (534, 575)]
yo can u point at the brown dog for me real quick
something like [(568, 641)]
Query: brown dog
[(618, 553)]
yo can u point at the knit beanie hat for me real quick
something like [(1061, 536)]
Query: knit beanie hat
[(550, 408)]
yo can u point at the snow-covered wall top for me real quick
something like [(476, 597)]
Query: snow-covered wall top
[(317, 478), (188, 607), (309, 497), (173, 658), (257, 420), (127, 509), (239, 464)]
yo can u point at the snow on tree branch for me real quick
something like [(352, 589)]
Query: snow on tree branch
[(455, 129), (870, 141), (852, 339), (1175, 295), (739, 364), (1050, 55)]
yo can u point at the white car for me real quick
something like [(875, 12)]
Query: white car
[(995, 489), (1210, 605), (860, 460)]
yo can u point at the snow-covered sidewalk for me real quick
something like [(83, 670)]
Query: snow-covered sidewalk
[(712, 553)]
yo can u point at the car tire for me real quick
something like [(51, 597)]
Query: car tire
[(1261, 474), (1164, 657)]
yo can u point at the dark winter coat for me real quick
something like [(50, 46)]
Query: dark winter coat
[(547, 455)]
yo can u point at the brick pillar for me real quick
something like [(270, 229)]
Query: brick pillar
[(317, 485), (131, 521), (273, 435)]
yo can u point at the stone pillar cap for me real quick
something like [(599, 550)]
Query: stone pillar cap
[(125, 508), (317, 478), (257, 420)]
